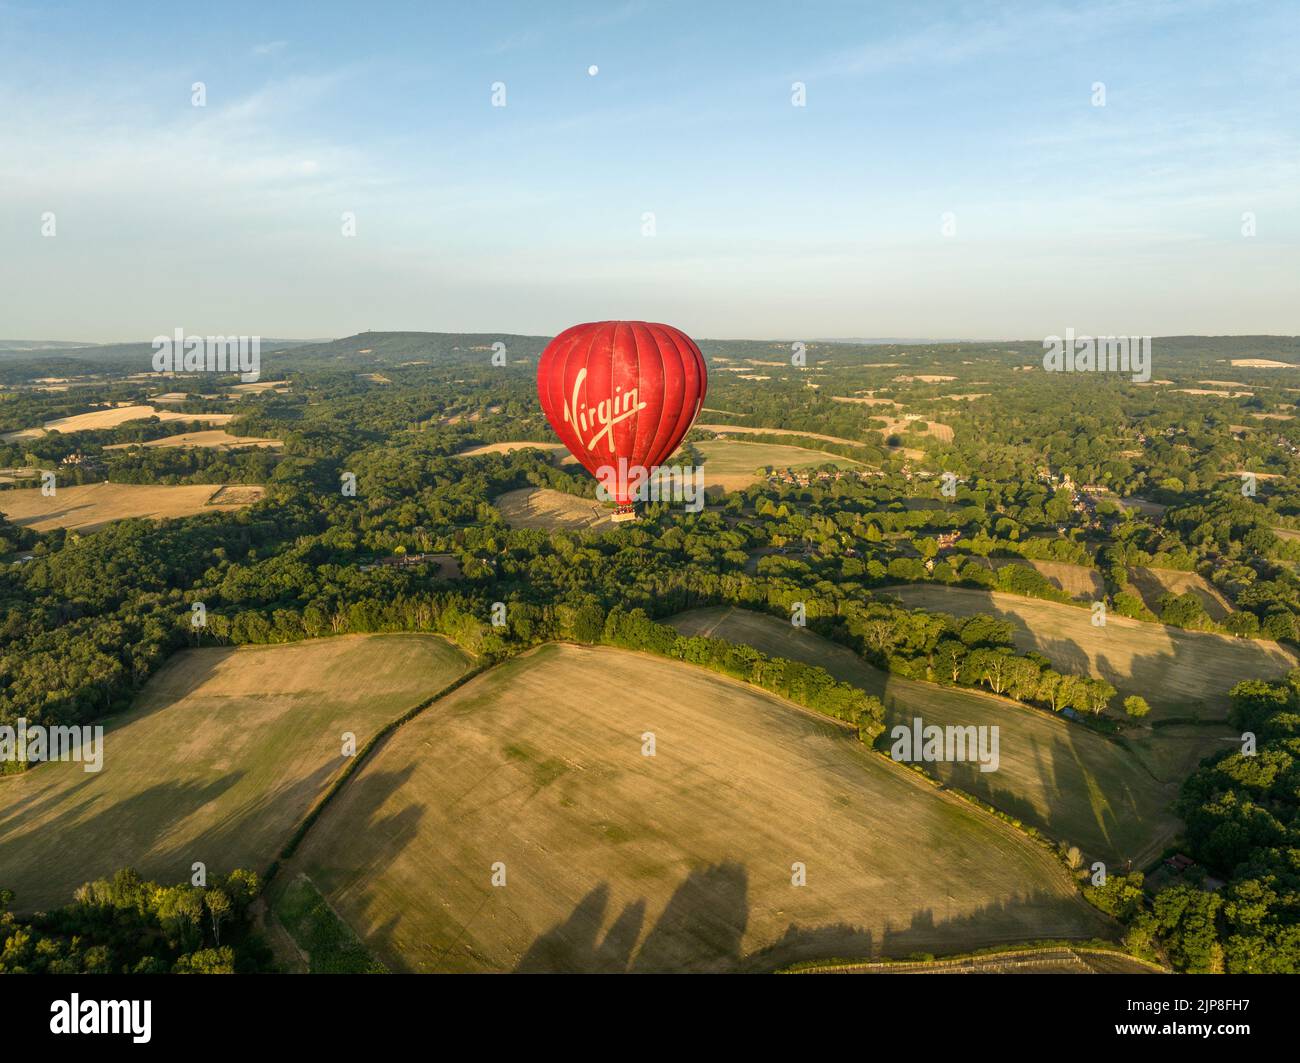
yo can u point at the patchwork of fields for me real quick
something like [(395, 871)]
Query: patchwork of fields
[(1151, 583), (681, 861), (220, 757), (1112, 800), (1181, 673), (111, 417), (214, 439)]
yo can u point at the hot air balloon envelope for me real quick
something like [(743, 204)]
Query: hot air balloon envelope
[(621, 394)]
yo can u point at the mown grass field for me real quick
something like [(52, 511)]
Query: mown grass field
[(85, 507), (730, 465), (681, 861), (743, 430), (1111, 800), (1181, 673), (221, 756), (326, 942)]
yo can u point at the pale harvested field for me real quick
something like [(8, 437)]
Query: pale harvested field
[(85, 507), (1151, 583), (1237, 474), (1112, 800), (897, 425), (1260, 363), (1078, 581), (864, 401), (221, 756), (257, 387), (9, 476), (1181, 673), (682, 861), (507, 448), (730, 465), (111, 417), (541, 507), (214, 439)]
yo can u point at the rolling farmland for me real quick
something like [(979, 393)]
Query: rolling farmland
[(222, 754), (1112, 800), (541, 507), (85, 507), (730, 465), (213, 438), (1181, 673), (111, 417), (680, 861)]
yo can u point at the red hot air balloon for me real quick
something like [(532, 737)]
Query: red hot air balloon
[(621, 395)]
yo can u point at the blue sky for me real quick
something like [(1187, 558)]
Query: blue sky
[(770, 220)]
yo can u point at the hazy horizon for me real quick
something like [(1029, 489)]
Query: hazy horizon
[(53, 344)]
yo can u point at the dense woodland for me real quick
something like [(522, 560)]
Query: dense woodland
[(125, 925)]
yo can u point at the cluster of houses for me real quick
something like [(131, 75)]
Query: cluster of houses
[(1083, 497), (1287, 445), (402, 561), (78, 460), (795, 478)]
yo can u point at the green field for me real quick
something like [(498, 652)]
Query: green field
[(731, 465), (220, 757), (1181, 673), (681, 861), (1109, 799), (319, 934)]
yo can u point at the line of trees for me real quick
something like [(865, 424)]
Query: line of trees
[(127, 925)]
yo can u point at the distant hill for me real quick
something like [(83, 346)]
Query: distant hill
[(898, 341), (371, 350), (42, 345), (394, 348)]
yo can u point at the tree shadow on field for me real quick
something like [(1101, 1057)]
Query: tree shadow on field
[(702, 927), (375, 834), (699, 929), (45, 865)]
